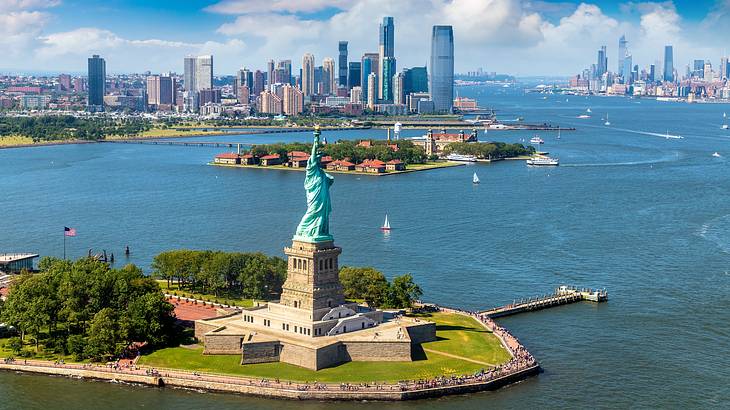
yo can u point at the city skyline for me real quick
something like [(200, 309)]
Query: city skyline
[(42, 35)]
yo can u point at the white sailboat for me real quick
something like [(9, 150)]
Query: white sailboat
[(607, 123), (475, 179), (724, 121), (558, 133), (589, 110), (386, 225)]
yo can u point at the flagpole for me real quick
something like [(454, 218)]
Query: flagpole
[(64, 243)]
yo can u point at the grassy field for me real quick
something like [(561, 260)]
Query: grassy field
[(224, 298), (457, 336), (13, 140)]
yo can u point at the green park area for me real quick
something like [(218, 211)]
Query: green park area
[(463, 347)]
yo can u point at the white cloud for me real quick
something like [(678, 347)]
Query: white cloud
[(21, 5), (266, 6)]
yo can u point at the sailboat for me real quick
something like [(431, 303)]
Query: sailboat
[(607, 123), (558, 133), (386, 225), (475, 179), (589, 110), (724, 121)]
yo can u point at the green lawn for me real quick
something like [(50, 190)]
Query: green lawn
[(458, 335), (223, 298)]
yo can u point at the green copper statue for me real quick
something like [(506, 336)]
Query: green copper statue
[(315, 225)]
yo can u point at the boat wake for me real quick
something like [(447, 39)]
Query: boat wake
[(716, 231), (626, 163)]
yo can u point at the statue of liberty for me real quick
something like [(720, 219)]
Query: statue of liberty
[(315, 224)]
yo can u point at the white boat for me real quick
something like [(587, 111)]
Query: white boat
[(536, 140), (607, 123), (724, 121), (461, 158), (475, 179), (589, 110), (542, 161), (584, 116), (714, 154), (558, 137), (386, 225)]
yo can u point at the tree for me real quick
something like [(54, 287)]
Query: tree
[(102, 340), (403, 291), (364, 283), (148, 318)]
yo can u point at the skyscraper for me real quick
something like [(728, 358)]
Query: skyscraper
[(388, 70), (308, 75), (387, 49), (621, 54), (97, 84), (204, 73), (293, 100), (415, 80), (372, 90), (160, 90), (602, 63), (258, 82), (398, 95), (668, 64), (353, 74), (628, 61), (270, 72), (441, 84), (283, 72), (329, 87), (723, 68), (343, 64), (698, 69), (652, 73), (369, 64), (189, 74)]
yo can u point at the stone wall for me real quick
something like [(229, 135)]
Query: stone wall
[(374, 351), (298, 355), (223, 343), (202, 327), (261, 352), (422, 332)]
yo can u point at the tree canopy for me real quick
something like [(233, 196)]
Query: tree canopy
[(492, 150), (371, 285)]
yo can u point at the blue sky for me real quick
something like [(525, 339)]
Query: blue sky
[(524, 37)]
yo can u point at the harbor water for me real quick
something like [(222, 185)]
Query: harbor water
[(644, 216)]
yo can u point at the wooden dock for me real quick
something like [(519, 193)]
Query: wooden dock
[(563, 295)]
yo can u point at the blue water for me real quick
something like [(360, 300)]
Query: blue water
[(645, 217)]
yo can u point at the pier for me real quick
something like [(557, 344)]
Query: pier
[(563, 295), (180, 143)]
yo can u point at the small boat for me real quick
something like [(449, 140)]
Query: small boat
[(475, 179), (724, 121), (558, 137), (461, 158), (386, 225), (536, 140), (714, 154), (607, 123), (584, 116), (589, 110), (542, 161)]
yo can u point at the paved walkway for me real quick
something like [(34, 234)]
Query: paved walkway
[(453, 356)]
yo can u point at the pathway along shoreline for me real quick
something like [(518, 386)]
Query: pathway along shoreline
[(521, 366)]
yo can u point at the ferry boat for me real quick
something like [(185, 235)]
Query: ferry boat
[(542, 161), (536, 140), (461, 158)]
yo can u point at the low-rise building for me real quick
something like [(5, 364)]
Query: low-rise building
[(248, 159), (227, 158), (395, 165), (341, 165), (298, 159), (273, 159), (373, 166)]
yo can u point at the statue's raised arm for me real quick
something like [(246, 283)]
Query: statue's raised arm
[(314, 226)]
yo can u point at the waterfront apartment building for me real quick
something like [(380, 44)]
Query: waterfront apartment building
[(369, 64), (97, 84), (372, 96), (441, 84), (342, 63), (329, 86), (386, 50), (292, 101), (668, 64), (270, 103), (308, 75)]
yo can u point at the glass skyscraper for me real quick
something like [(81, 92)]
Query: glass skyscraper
[(342, 64), (387, 50), (354, 75), (97, 84), (668, 64), (369, 64), (388, 73), (415, 80), (441, 82), (621, 55)]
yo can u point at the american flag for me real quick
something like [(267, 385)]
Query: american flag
[(69, 231)]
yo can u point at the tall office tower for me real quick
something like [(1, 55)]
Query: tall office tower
[(244, 76), (292, 101), (258, 82), (369, 64), (388, 71), (652, 73), (372, 90), (308, 75), (318, 76), (723, 68), (64, 80), (415, 80), (342, 47), (283, 68), (707, 71), (668, 64), (329, 87), (387, 49), (602, 63), (628, 61), (160, 90), (356, 95), (621, 54), (441, 84), (698, 69), (204, 73), (353, 74), (270, 66), (189, 73), (398, 95), (97, 84)]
